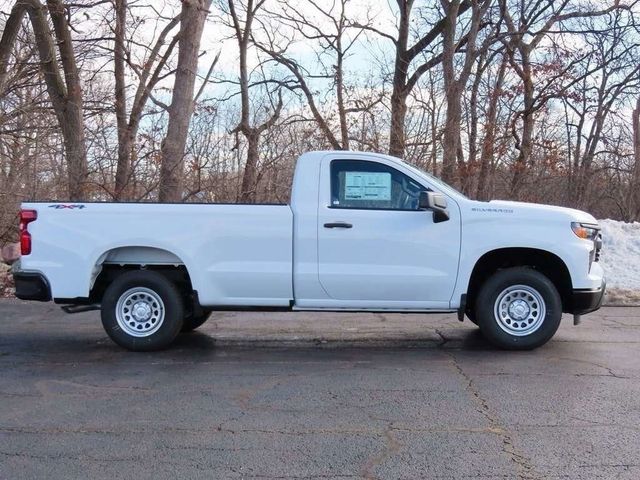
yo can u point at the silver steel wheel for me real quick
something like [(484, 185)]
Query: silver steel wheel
[(140, 312), (519, 310)]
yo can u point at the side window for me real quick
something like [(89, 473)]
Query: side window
[(371, 185)]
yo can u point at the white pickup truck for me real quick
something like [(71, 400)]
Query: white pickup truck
[(364, 232)]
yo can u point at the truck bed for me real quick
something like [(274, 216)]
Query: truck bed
[(235, 254)]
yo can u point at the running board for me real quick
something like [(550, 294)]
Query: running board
[(79, 308)]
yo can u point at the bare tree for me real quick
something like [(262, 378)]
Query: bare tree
[(614, 73), (242, 28), (489, 137), (124, 147), (149, 73), (455, 86), (418, 55), (65, 93), (328, 28), (192, 18), (531, 24)]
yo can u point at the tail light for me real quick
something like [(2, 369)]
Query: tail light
[(26, 217)]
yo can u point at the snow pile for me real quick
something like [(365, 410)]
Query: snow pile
[(621, 260)]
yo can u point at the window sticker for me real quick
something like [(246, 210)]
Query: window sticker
[(367, 186)]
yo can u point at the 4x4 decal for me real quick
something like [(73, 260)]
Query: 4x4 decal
[(59, 206)]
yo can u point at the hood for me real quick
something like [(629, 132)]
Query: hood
[(538, 210)]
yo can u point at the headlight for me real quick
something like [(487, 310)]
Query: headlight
[(585, 230)]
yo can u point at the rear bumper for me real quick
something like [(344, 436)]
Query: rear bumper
[(586, 301), (31, 286)]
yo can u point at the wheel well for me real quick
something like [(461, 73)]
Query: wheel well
[(119, 260), (140, 255), (543, 261), (177, 274)]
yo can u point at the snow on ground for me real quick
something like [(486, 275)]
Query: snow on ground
[(621, 253), (621, 261)]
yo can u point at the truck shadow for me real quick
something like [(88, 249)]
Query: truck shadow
[(464, 339), (67, 353)]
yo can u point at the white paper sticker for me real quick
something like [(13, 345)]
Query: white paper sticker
[(367, 186)]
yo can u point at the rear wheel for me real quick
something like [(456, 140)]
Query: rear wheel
[(142, 311), (518, 309)]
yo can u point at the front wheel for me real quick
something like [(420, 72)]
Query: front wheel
[(142, 311), (518, 309), (471, 315)]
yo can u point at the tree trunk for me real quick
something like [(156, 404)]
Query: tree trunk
[(574, 159), (455, 85), (251, 133), (398, 114), (73, 128), (404, 56), (150, 74), (124, 144), (595, 135), (488, 142), (472, 163), (194, 14), (75, 150), (523, 161), (248, 189), (65, 93), (451, 135), (634, 187), (399, 94), (344, 128)]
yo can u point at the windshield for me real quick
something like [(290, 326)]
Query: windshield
[(446, 188)]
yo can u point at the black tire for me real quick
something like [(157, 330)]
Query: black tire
[(193, 322), (495, 287), (471, 315), (154, 285)]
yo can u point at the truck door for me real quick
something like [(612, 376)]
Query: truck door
[(376, 248)]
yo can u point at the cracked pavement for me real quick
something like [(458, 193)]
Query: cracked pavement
[(317, 395)]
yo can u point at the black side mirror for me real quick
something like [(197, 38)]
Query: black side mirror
[(437, 203)]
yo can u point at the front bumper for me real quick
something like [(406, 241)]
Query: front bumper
[(31, 286), (586, 301)]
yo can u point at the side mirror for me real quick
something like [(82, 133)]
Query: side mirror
[(437, 203)]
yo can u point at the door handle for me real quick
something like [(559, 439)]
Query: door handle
[(338, 225)]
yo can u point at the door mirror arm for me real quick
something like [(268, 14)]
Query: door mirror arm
[(437, 203)]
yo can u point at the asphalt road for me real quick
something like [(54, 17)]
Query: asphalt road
[(317, 396)]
